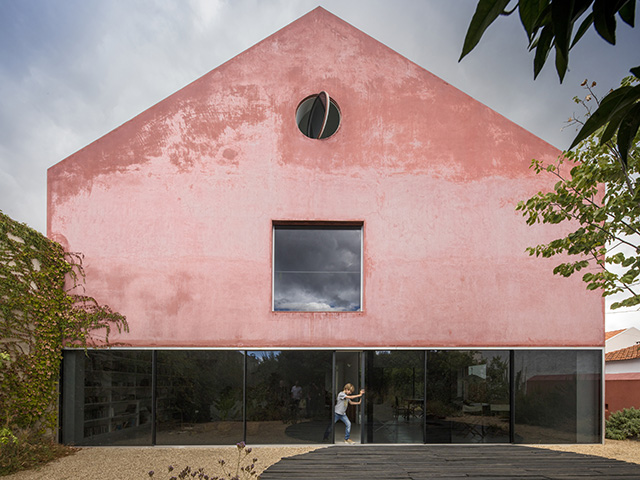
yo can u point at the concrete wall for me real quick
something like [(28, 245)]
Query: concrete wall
[(174, 209)]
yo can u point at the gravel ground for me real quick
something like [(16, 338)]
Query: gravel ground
[(131, 463), (625, 450)]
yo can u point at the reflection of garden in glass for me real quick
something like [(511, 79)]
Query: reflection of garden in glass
[(557, 397), (467, 396), (395, 396), (199, 397), (288, 396)]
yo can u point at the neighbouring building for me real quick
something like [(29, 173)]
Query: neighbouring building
[(622, 369), (320, 210)]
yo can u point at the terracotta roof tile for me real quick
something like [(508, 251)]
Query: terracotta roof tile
[(628, 353), (608, 335)]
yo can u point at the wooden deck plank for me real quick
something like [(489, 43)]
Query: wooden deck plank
[(421, 462)]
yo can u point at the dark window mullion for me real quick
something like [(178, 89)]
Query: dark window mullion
[(154, 394)]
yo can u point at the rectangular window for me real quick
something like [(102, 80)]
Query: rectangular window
[(317, 268), (199, 397), (558, 396), (107, 397), (288, 396), (467, 398)]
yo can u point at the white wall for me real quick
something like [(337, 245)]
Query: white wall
[(623, 366), (625, 339)]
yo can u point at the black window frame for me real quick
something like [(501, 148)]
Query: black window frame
[(321, 225)]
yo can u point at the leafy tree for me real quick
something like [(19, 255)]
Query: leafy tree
[(608, 222), (550, 24)]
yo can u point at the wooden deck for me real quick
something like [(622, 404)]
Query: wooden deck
[(422, 462)]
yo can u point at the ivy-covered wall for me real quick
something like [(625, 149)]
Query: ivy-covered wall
[(41, 307)]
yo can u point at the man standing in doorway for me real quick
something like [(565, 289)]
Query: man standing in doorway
[(345, 397)]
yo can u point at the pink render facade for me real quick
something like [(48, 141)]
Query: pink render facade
[(175, 209)]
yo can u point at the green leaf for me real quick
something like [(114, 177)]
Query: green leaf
[(584, 26), (628, 12), (486, 13), (618, 99), (604, 19), (636, 71), (530, 11), (562, 25), (627, 132), (542, 49), (612, 127), (562, 61)]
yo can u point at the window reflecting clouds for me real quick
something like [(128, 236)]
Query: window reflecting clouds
[(317, 268)]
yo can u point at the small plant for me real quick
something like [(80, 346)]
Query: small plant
[(7, 436), (24, 449), (242, 470), (623, 424)]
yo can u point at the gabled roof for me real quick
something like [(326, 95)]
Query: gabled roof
[(629, 353), (613, 333)]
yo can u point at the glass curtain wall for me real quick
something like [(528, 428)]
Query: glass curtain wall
[(558, 396), (395, 396), (467, 396), (199, 397), (107, 397), (288, 396), (215, 397)]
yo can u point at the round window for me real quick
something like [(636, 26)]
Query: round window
[(318, 116)]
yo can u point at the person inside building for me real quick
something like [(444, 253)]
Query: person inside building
[(344, 398)]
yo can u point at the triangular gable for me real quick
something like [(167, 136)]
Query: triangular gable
[(416, 121)]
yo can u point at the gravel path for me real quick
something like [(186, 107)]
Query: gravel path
[(130, 463), (625, 450)]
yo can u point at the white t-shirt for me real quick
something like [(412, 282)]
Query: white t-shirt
[(296, 392), (341, 403)]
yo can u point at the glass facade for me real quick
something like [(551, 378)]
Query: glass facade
[(220, 397), (467, 396), (558, 396), (287, 396), (395, 396), (107, 397), (199, 397)]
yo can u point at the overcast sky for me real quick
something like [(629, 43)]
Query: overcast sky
[(73, 70)]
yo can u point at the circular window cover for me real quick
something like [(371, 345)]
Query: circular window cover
[(318, 116)]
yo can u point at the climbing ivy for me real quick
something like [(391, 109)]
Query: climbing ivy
[(42, 308)]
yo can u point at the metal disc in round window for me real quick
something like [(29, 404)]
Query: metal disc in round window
[(318, 116)]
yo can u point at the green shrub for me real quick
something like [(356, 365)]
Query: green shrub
[(27, 449), (624, 424)]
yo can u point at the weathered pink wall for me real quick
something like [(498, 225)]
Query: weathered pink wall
[(174, 209)]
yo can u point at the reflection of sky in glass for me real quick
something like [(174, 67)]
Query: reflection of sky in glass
[(262, 355), (317, 268)]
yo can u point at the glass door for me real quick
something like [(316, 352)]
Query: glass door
[(395, 396), (347, 370)]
